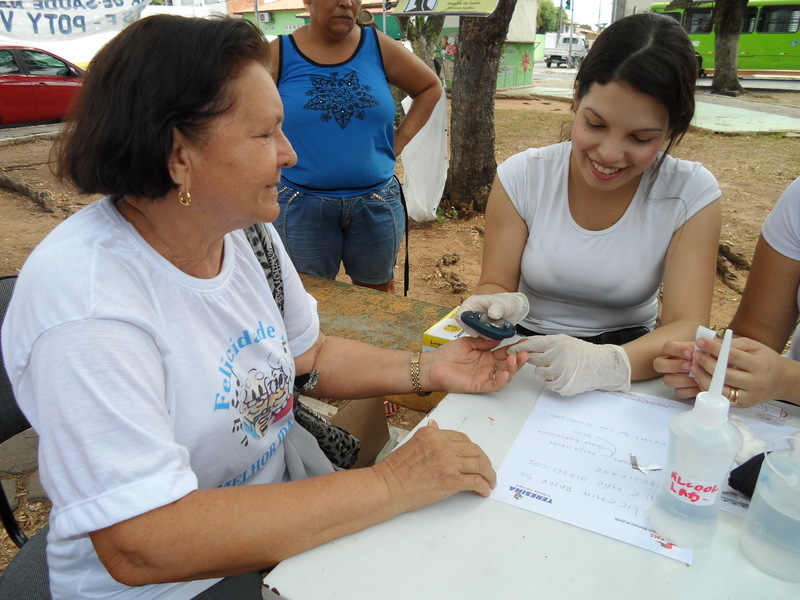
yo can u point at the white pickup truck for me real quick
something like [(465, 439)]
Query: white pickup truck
[(559, 51)]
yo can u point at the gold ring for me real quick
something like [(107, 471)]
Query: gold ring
[(734, 396)]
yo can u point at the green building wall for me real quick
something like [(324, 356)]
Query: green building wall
[(516, 66), (516, 60), (282, 22)]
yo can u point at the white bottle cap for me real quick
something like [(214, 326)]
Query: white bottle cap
[(711, 407)]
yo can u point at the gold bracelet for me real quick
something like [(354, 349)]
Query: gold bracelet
[(415, 375)]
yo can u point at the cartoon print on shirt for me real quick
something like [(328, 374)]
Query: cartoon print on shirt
[(263, 394), (261, 398), (340, 97), (266, 398)]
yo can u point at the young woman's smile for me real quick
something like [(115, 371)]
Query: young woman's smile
[(617, 134)]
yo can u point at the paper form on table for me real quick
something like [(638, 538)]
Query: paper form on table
[(571, 462)]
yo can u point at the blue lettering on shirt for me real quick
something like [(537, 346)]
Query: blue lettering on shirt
[(262, 461)]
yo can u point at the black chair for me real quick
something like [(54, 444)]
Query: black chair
[(26, 577)]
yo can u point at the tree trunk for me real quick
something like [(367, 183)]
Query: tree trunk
[(727, 24), (423, 33), (472, 152)]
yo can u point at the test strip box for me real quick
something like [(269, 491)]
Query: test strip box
[(444, 331)]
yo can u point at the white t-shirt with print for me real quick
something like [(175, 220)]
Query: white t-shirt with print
[(146, 384)]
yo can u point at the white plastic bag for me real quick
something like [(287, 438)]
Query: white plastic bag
[(425, 164)]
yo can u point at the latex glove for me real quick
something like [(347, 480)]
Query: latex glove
[(511, 306), (571, 366)]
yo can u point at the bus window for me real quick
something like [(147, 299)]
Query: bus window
[(749, 20), (779, 19), (698, 20), (674, 15)]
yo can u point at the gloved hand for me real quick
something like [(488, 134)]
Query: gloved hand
[(571, 366), (511, 306)]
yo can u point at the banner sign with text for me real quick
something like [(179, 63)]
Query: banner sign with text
[(411, 8), (32, 20)]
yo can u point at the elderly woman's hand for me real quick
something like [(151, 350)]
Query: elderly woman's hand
[(433, 465), (469, 365)]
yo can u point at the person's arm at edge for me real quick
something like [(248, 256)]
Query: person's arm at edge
[(407, 72), (767, 312), (687, 292), (764, 321)]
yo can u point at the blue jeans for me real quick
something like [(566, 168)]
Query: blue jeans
[(363, 232)]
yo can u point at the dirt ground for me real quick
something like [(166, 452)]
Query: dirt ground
[(753, 170)]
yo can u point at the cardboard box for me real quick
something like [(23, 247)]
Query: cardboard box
[(444, 331), (365, 419)]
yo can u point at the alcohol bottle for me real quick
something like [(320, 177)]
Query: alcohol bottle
[(702, 446)]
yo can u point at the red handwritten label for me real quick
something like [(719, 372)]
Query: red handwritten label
[(692, 492)]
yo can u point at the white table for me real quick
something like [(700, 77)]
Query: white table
[(472, 547)]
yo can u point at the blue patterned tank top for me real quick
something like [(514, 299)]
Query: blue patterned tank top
[(339, 119)]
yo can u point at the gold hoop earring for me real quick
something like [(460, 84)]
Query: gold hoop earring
[(184, 198)]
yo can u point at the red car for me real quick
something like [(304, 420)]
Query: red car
[(35, 85)]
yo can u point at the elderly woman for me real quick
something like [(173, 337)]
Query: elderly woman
[(146, 348)]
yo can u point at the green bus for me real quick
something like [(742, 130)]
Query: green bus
[(769, 41)]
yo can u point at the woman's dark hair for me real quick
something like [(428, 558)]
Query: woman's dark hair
[(160, 73), (653, 54)]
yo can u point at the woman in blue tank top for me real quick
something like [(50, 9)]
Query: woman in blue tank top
[(340, 204)]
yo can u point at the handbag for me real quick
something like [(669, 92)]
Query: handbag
[(339, 446)]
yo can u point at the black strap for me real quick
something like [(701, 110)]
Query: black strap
[(261, 243), (406, 269)]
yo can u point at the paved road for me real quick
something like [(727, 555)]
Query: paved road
[(11, 134), (776, 83), (715, 113), (758, 83)]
